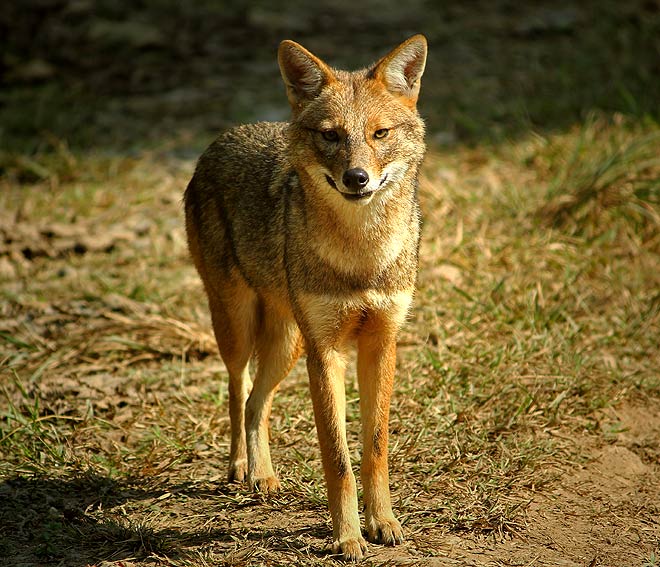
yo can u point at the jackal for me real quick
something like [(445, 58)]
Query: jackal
[(305, 235)]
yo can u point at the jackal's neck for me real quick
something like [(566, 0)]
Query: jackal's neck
[(357, 238)]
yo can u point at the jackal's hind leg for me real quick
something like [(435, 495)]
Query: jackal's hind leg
[(279, 345), (233, 312)]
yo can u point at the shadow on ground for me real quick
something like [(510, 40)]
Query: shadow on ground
[(82, 521)]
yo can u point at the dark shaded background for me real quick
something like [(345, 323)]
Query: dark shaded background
[(120, 75)]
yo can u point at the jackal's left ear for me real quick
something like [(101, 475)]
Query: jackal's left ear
[(401, 70), (304, 74)]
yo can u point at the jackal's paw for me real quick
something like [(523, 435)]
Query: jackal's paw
[(265, 484), (237, 471), (385, 530), (350, 549)]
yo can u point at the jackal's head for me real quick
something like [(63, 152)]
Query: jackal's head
[(357, 134)]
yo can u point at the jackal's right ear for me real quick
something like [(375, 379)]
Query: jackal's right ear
[(304, 74)]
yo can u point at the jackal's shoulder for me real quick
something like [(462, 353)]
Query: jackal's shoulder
[(242, 166), (254, 146)]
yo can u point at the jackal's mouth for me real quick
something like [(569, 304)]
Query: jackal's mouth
[(357, 196), (331, 182), (350, 196)]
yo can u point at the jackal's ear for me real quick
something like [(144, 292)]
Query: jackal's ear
[(304, 74), (401, 70)]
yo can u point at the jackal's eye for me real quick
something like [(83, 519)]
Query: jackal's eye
[(381, 133), (330, 135)]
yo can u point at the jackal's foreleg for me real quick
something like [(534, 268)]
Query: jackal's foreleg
[(376, 364), (326, 379)]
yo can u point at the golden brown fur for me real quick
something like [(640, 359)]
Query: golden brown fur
[(306, 234)]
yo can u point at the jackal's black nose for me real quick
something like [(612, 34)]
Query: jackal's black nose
[(355, 179)]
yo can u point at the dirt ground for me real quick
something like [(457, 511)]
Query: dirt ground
[(593, 516), (602, 511)]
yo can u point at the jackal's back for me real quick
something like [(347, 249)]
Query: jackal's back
[(235, 204)]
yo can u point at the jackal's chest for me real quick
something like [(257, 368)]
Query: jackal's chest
[(360, 276), (332, 320)]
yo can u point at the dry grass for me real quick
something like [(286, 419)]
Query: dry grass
[(538, 307)]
